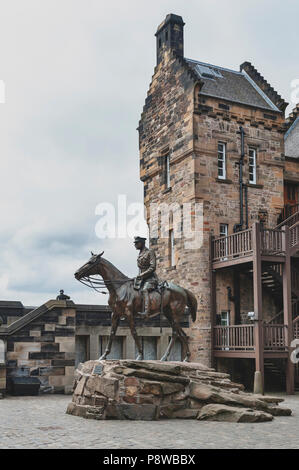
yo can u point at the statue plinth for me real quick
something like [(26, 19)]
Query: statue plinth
[(152, 390)]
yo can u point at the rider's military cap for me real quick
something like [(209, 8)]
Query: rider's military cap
[(139, 239)]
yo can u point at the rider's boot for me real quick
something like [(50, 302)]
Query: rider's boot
[(146, 305)]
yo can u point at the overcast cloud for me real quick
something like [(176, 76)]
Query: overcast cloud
[(76, 75)]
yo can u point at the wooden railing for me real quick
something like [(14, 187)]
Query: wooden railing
[(274, 337), (241, 244), (272, 241), (233, 246), (241, 337), (286, 214), (294, 235), (234, 338), (290, 221)]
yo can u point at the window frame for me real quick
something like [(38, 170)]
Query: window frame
[(221, 234), (171, 249), (254, 166), (224, 245), (222, 153), (167, 171)]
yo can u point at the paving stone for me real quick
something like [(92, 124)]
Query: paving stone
[(22, 418)]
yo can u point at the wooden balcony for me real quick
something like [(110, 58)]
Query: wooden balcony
[(240, 340), (239, 247)]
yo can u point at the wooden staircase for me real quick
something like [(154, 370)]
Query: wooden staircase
[(275, 373)]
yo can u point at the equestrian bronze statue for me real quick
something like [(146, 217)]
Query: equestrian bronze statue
[(143, 296)]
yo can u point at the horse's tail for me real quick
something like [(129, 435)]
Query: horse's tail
[(192, 304)]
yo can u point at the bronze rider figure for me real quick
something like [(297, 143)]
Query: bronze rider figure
[(147, 279)]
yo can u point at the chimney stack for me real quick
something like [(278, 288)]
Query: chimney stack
[(170, 36)]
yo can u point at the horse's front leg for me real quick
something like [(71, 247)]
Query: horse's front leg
[(114, 325), (130, 317)]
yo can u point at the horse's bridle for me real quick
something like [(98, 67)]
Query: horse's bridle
[(97, 284)]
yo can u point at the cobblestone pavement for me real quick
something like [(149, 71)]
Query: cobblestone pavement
[(41, 422)]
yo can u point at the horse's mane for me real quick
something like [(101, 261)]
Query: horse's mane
[(117, 274), (125, 290)]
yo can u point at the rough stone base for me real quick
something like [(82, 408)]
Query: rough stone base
[(152, 390)]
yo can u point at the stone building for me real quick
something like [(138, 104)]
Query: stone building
[(49, 341), (212, 139)]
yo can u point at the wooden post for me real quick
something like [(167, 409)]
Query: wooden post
[(212, 300), (236, 276), (257, 294), (287, 312)]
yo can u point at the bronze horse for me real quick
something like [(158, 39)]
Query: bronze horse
[(125, 301)]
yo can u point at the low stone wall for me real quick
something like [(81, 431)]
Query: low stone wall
[(151, 390), (45, 348)]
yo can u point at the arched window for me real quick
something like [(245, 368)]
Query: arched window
[(2, 352)]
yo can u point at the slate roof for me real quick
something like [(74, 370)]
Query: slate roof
[(230, 85)]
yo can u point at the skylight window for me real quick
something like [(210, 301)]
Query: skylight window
[(208, 72)]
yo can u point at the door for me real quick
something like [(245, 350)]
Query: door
[(290, 198)]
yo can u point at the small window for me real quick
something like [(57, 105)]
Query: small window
[(221, 160), (166, 36), (224, 319), (252, 166), (171, 248), (223, 230), (167, 170)]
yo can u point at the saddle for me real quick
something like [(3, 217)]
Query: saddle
[(161, 285)]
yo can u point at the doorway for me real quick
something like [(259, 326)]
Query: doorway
[(290, 198)]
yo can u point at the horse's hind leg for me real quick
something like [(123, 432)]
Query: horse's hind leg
[(114, 324), (185, 343), (170, 346)]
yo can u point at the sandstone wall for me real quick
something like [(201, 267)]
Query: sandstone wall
[(45, 348)]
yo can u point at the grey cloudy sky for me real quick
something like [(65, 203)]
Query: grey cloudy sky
[(76, 75)]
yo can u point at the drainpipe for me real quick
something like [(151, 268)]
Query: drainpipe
[(239, 227)]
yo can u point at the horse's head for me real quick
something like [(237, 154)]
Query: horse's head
[(90, 268)]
